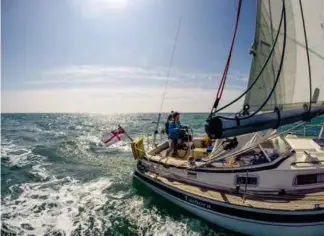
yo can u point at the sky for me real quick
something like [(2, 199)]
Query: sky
[(113, 56)]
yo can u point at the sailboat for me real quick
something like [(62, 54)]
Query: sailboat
[(256, 180)]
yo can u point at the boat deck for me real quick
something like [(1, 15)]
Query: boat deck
[(200, 154), (287, 202), (163, 159)]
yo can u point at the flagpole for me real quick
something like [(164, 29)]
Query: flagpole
[(126, 133)]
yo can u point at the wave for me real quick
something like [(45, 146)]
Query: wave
[(56, 206)]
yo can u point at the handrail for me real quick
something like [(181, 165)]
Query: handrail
[(307, 128), (307, 162)]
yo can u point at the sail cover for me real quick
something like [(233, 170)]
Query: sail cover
[(293, 88)]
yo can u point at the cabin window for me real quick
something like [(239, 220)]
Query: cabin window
[(309, 179), (250, 180)]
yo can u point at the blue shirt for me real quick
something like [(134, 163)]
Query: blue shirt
[(174, 129)]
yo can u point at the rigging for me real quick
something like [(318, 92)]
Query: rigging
[(279, 70), (283, 18), (224, 77), (308, 61), (167, 81)]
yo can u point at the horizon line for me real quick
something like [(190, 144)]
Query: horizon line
[(104, 113)]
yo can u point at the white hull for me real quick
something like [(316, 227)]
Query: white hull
[(268, 180), (281, 173), (242, 225)]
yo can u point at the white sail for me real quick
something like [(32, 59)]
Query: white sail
[(293, 88), (293, 91)]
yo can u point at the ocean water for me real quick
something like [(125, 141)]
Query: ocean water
[(57, 178)]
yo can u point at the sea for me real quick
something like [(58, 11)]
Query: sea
[(58, 178)]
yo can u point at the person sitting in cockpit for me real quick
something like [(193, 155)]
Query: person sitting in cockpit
[(175, 132)]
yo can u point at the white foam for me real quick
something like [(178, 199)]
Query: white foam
[(120, 146), (17, 155), (54, 133), (40, 171), (56, 205), (150, 220), (86, 139)]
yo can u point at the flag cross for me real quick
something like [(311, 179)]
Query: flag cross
[(115, 135)]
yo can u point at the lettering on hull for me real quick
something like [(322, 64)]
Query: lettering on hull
[(197, 202)]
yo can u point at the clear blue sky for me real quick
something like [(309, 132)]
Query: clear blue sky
[(111, 55)]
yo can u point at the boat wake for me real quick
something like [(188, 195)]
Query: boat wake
[(56, 206), (59, 179)]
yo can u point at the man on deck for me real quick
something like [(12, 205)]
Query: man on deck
[(174, 133)]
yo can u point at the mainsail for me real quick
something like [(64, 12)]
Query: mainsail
[(293, 88), (286, 78)]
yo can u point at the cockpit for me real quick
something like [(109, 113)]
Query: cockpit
[(246, 150)]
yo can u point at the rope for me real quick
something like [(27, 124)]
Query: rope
[(214, 157), (261, 71), (224, 77), (308, 61), (279, 71), (217, 185)]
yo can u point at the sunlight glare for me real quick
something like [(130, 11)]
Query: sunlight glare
[(113, 4)]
